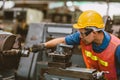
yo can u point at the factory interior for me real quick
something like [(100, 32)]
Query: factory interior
[(24, 23)]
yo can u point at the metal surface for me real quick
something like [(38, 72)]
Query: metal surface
[(69, 72), (73, 72), (27, 65), (8, 60), (12, 52), (61, 57), (6, 40), (35, 34)]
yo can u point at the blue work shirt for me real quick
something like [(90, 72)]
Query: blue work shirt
[(74, 39)]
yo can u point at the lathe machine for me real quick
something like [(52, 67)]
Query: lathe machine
[(18, 63)]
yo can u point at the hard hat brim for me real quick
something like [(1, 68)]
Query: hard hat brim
[(76, 26)]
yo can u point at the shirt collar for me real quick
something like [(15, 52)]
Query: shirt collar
[(104, 44)]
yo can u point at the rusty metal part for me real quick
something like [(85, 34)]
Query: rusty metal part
[(10, 52), (21, 52), (6, 41), (10, 58)]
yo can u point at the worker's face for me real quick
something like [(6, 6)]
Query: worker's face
[(87, 36)]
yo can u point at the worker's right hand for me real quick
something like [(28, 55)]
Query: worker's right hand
[(36, 48)]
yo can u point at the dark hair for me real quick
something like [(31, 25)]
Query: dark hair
[(99, 31)]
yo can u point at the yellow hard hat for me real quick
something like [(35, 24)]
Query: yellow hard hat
[(89, 18)]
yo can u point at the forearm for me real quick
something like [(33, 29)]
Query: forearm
[(54, 42)]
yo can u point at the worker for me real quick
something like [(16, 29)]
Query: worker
[(100, 49)]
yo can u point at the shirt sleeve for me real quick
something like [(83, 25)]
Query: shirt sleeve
[(117, 57), (73, 39)]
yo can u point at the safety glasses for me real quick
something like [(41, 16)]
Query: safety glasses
[(86, 33)]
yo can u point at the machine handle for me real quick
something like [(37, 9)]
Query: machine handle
[(98, 75)]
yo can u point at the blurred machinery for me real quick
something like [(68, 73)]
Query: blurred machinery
[(116, 26), (13, 17), (10, 54), (109, 24), (112, 26), (63, 61), (60, 63), (30, 15)]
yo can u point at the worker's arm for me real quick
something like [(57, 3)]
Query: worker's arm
[(49, 44), (72, 39), (54, 42)]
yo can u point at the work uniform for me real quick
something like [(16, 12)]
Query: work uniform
[(74, 39)]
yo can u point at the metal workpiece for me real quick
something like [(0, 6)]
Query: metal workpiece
[(63, 49), (20, 52), (61, 56)]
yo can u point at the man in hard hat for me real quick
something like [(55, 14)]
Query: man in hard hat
[(100, 49)]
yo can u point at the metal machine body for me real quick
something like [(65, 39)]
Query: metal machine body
[(27, 65), (18, 62)]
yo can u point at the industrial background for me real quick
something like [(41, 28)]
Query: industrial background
[(24, 23)]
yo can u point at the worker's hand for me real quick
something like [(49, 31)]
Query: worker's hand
[(39, 47)]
